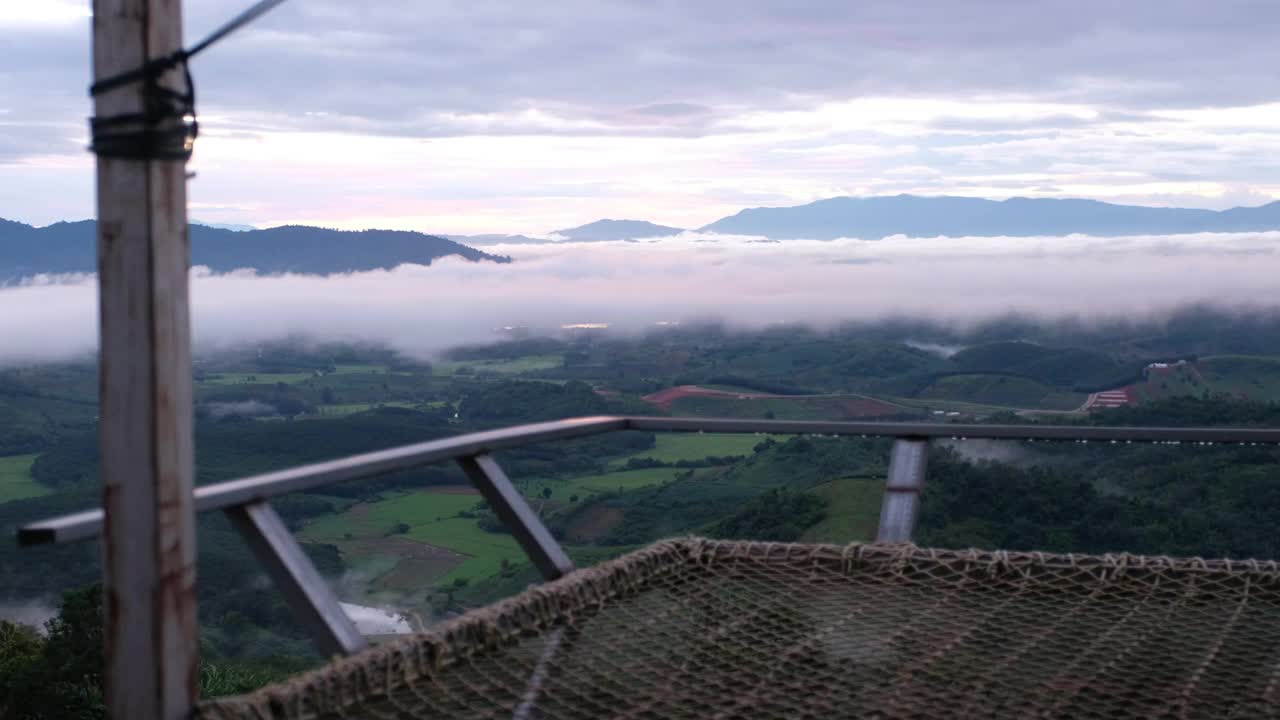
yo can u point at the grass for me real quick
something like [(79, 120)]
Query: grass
[(605, 482), (673, 447), (372, 565), (486, 550), (732, 388), (254, 378), (265, 378), (1252, 377), (513, 366), (341, 409), (16, 482), (1001, 390), (953, 406), (432, 519), (800, 408), (375, 519), (359, 369), (853, 511)]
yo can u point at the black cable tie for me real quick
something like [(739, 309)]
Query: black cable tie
[(166, 128), (153, 67)]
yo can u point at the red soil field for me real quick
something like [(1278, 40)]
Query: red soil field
[(850, 407), (664, 398)]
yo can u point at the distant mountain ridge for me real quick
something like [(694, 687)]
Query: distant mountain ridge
[(70, 247), (877, 217), (598, 231), (234, 227), (618, 230)]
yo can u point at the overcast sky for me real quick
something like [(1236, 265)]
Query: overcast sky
[(518, 116)]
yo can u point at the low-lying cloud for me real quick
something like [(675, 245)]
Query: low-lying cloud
[(34, 613), (632, 285), (376, 621)]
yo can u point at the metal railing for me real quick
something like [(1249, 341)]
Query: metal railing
[(247, 501)]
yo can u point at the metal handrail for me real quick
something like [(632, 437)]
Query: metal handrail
[(246, 501), (220, 496)]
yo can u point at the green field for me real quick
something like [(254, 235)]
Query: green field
[(853, 511), (606, 482), (513, 366), (265, 378), (340, 409), (1251, 377), (15, 479), (1007, 391), (966, 408), (432, 519), (673, 447), (253, 378), (800, 407), (375, 519), (486, 550), (728, 388), (359, 369)]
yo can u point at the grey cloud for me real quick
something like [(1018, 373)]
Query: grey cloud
[(19, 141), (672, 109), (1125, 116), (397, 60), (983, 125), (677, 69)]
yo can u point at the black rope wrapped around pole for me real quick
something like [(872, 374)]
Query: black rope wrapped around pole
[(167, 128)]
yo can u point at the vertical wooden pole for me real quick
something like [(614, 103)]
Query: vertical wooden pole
[(145, 392)]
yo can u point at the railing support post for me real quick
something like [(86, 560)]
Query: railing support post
[(510, 507), (901, 505), (291, 570)]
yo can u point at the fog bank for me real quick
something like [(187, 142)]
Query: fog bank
[(33, 612), (744, 281), (376, 621)]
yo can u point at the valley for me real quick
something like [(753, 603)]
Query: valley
[(423, 545)]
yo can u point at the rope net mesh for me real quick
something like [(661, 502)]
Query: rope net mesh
[(694, 628)]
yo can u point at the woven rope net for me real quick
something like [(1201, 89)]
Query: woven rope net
[(696, 628)]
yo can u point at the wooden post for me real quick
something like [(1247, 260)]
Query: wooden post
[(145, 426)]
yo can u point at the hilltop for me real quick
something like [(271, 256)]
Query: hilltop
[(69, 247), (618, 230), (598, 231)]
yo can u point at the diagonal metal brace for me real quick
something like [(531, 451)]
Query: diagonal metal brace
[(289, 567), (901, 505), (510, 507)]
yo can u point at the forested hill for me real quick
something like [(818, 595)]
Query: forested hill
[(70, 247), (878, 217)]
